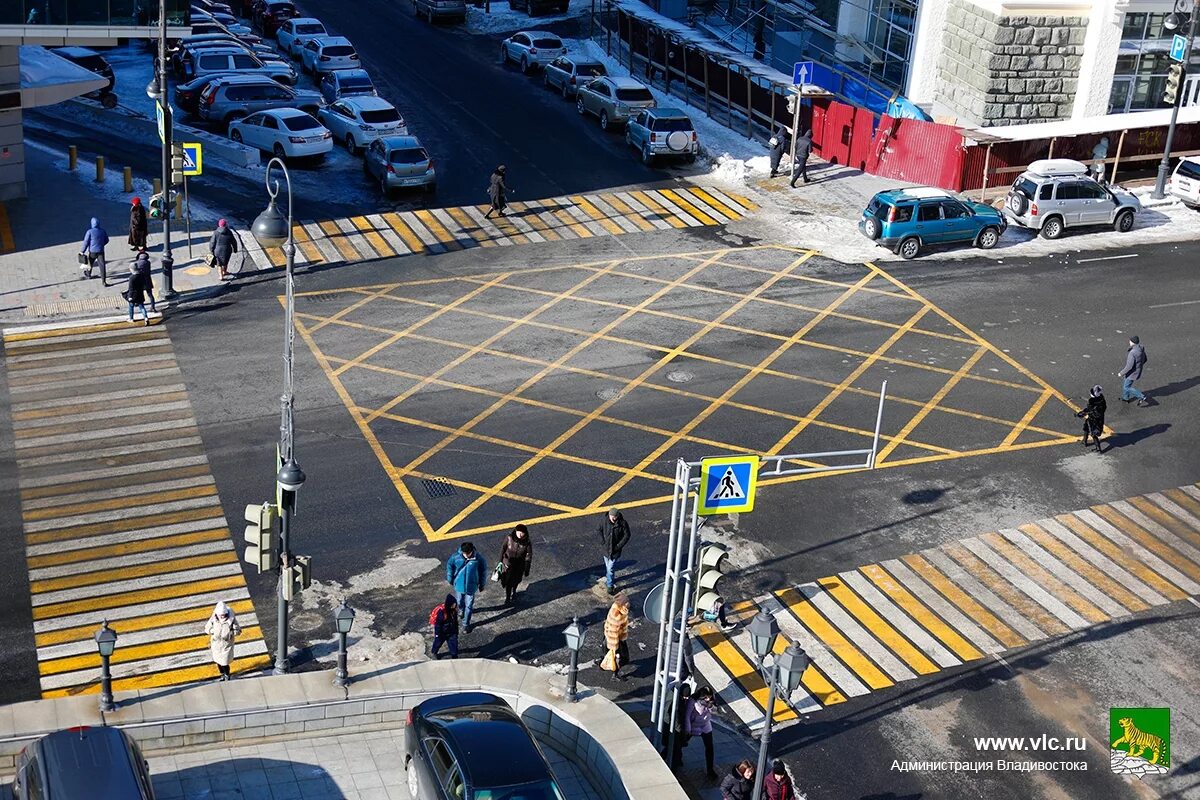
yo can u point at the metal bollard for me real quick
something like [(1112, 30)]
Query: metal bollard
[(99, 169), (72, 157), (128, 179), (178, 205), (158, 185)]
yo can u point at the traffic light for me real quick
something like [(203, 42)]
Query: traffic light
[(713, 563), (299, 577), (176, 164), (1174, 79), (156, 206), (260, 534)]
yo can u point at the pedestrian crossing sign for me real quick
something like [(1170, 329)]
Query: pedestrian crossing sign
[(193, 158), (727, 485)]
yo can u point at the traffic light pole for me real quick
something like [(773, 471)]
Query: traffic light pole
[(168, 261), (1164, 166), (286, 423), (288, 502)]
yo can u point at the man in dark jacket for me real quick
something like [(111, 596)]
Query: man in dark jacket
[(140, 286), (222, 245), (445, 626), (93, 247), (496, 191), (1135, 359), (739, 783), (614, 535), (138, 224), (466, 572), (800, 161), (778, 145), (1093, 416)]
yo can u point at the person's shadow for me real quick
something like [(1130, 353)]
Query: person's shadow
[(1133, 437), (1175, 388)]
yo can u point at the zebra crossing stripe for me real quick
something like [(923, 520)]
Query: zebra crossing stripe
[(819, 628), (929, 646), (1027, 585), (1034, 558), (972, 588), (834, 682), (329, 253), (951, 625), (1148, 527), (1125, 543), (389, 235)]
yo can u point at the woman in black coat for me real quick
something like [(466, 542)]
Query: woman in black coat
[(516, 558), (222, 245), (140, 287), (138, 224), (739, 783), (496, 189), (1093, 416)]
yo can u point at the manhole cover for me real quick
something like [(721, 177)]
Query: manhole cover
[(306, 621), (634, 267), (679, 376), (608, 393), (436, 487)]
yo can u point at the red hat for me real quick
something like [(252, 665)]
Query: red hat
[(137, 201)]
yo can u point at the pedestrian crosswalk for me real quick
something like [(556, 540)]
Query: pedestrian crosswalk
[(902, 619), (120, 512), (441, 230)]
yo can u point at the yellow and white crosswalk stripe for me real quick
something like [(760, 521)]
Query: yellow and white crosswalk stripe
[(120, 512), (441, 230), (869, 628)]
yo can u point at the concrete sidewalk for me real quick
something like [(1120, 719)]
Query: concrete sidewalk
[(39, 276)]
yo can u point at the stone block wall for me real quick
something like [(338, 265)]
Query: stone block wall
[(1007, 70)]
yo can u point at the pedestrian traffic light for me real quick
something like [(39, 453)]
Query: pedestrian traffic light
[(1174, 78), (713, 563), (260, 534), (298, 577), (176, 164)]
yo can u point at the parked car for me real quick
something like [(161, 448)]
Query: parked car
[(327, 53), (613, 100), (531, 49), (228, 20), (1052, 195), (231, 97), (473, 746), (566, 73), (283, 132), (211, 7), (535, 7), (662, 133), (346, 83), (455, 10), (399, 162), (206, 23), (183, 58), (93, 62), (1185, 181), (906, 220), (294, 33), (233, 60), (101, 763), (270, 15), (358, 121)]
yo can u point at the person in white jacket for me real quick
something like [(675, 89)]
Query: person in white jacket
[(222, 628)]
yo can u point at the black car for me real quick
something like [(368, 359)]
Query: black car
[(270, 15), (83, 764), (93, 62), (473, 746)]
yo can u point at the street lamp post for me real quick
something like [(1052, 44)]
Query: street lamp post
[(1172, 23), (575, 634), (343, 620), (272, 229), (106, 643), (157, 90), (788, 668)]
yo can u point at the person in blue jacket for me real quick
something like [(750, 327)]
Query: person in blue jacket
[(466, 572), (93, 247)]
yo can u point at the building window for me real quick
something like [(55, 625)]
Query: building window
[(890, 25), (1142, 63)]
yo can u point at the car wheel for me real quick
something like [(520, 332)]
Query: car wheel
[(413, 786), (871, 228), (351, 147), (524, 64), (1052, 228), (236, 136), (647, 156), (278, 151), (909, 248), (987, 238), (579, 105), (109, 100), (603, 120), (1018, 202), (1124, 222)]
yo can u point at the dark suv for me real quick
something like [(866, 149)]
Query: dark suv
[(473, 746), (83, 764), (93, 62), (270, 15)]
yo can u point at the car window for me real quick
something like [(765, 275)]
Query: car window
[(356, 83), (33, 782), (270, 123), (339, 50), (300, 122), (952, 209), (455, 787), (1189, 169), (1092, 191), (520, 38), (1067, 191), (1046, 191), (543, 790), (377, 147), (672, 124), (929, 212), (312, 44), (276, 93), (638, 95), (547, 44), (1025, 185), (310, 28), (340, 109), (253, 119), (443, 762), (213, 62), (560, 63), (238, 93), (408, 155), (591, 68), (602, 88), (902, 213), (381, 115), (245, 62)]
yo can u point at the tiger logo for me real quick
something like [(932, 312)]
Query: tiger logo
[(1138, 741)]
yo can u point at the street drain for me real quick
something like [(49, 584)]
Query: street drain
[(323, 297), (436, 487), (306, 621), (679, 376), (608, 393)]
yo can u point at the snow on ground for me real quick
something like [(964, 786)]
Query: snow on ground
[(503, 19)]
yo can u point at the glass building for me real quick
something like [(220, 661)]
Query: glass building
[(1142, 63)]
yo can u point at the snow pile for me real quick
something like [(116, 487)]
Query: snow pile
[(503, 19)]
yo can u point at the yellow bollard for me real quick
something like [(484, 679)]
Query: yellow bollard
[(157, 185), (128, 179), (178, 205), (72, 157), (99, 169)]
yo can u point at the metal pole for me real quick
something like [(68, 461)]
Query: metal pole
[(678, 509), (168, 260), (683, 608), (285, 574), (1164, 166), (106, 696), (987, 157), (795, 129), (341, 677), (572, 677), (187, 202), (765, 738), (592, 22), (878, 425)]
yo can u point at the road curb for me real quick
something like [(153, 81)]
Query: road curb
[(77, 325)]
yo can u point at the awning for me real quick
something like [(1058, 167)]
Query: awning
[(47, 79)]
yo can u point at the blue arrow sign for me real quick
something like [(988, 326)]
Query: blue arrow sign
[(802, 73), (1178, 48)]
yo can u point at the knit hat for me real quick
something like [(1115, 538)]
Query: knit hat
[(1135, 340), (778, 768), (137, 201), (221, 223), (1097, 391)]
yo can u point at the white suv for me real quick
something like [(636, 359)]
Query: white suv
[(1185, 182), (1055, 194)]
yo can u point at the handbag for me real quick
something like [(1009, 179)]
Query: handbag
[(125, 295), (498, 572), (210, 259), (84, 260), (610, 661)]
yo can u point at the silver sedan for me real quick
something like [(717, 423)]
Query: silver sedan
[(358, 121)]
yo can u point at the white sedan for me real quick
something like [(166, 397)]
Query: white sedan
[(532, 49), (283, 132), (296, 32), (358, 121)]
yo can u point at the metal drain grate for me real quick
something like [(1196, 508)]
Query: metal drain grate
[(436, 487), (324, 297)]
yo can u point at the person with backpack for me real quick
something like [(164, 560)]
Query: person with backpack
[(466, 572), (1093, 417), (444, 620), (1135, 359), (92, 251)]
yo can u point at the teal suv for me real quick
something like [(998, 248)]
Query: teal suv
[(908, 220)]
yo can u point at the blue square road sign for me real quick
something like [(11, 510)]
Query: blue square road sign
[(727, 485), (1178, 48), (802, 73)]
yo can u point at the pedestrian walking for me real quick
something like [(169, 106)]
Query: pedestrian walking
[(678, 737), (1135, 360), (466, 571), (739, 783), (800, 160), (139, 287), (497, 188), (777, 785), (778, 145), (221, 247), (92, 251), (139, 224), (1099, 153), (1093, 416), (444, 619), (516, 558), (222, 628), (699, 723), (616, 631), (614, 535)]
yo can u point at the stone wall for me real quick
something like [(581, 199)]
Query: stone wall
[(1005, 70)]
